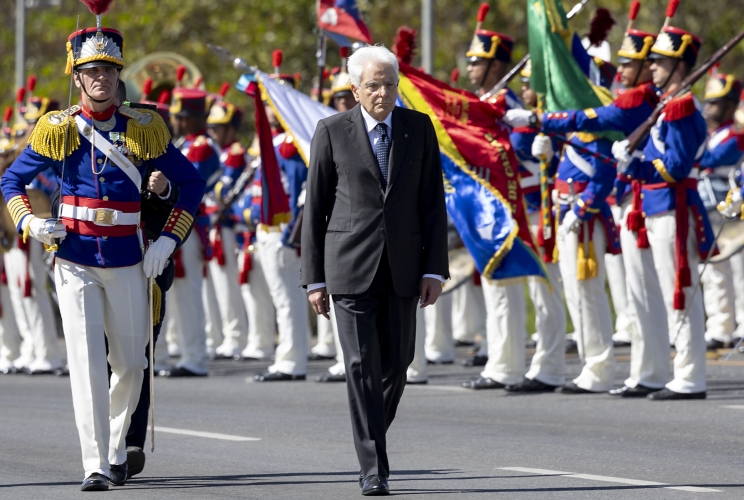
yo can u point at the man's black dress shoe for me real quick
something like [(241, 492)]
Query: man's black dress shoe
[(135, 461), (620, 343), (430, 362), (464, 343), (638, 391), (714, 345), (530, 385), (668, 395), (361, 479), (277, 377), (375, 486), (571, 346), (95, 482), (483, 383), (330, 377), (476, 361), (421, 381), (180, 372), (571, 388), (119, 474), (9, 370), (62, 372), (319, 357)]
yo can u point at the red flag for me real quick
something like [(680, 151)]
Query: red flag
[(342, 17)]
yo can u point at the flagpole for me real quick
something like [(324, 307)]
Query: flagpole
[(320, 55), (427, 45)]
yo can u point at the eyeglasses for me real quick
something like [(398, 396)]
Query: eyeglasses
[(374, 87)]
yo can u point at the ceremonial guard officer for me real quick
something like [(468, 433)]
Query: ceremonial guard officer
[(186, 316), (99, 151), (718, 168), (280, 256), (676, 222), (224, 123)]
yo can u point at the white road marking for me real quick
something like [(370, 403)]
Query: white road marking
[(733, 407), (608, 479), (210, 435)]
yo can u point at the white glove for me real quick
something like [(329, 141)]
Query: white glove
[(542, 147), (517, 117), (157, 255), (731, 208), (620, 152), (45, 230), (571, 224)]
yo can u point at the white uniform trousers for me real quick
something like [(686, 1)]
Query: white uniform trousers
[(468, 312), (326, 345), (589, 308), (339, 368), (718, 300), (93, 301), (689, 362), (281, 266), (649, 344), (624, 314), (506, 330), (185, 309), (232, 310), (260, 309), (440, 345), (34, 314), (549, 361), (212, 316), (418, 370), (10, 338), (737, 272)]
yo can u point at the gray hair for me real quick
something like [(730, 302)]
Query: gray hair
[(369, 54)]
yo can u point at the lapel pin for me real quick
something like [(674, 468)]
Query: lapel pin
[(405, 135)]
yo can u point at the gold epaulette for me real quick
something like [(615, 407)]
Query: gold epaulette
[(147, 134), (48, 138)]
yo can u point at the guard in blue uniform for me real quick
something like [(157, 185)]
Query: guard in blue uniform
[(99, 153), (718, 168), (676, 222)]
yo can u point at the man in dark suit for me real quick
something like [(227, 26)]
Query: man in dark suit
[(375, 239)]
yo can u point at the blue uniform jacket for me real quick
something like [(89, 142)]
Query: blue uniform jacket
[(108, 186)]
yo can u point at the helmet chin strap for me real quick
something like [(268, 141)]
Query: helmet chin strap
[(638, 74), (671, 73), (97, 101), (485, 73)]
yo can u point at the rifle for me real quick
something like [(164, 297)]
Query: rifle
[(636, 138), (245, 178), (521, 64)]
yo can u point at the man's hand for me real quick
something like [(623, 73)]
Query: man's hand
[(620, 152), (319, 299), (517, 117), (542, 147), (431, 289), (157, 183), (44, 230), (157, 255)]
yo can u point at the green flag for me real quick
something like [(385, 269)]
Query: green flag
[(555, 72)]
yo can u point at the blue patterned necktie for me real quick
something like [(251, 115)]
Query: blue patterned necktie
[(382, 151)]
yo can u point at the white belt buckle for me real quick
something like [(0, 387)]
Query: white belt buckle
[(104, 217)]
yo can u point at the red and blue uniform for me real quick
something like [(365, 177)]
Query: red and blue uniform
[(720, 162), (294, 175), (92, 181)]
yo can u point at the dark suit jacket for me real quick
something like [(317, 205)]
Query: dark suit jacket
[(348, 217)]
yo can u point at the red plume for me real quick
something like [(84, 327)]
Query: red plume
[(224, 88), (326, 73), (344, 52), (164, 97), (404, 44), (8, 114), (31, 83), (672, 8), (147, 87), (482, 12), (97, 7), (600, 27), (714, 69), (180, 71), (298, 78), (276, 58), (454, 76), (634, 8), (21, 95)]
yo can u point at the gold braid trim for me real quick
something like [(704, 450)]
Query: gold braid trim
[(157, 303), (48, 137), (147, 138)]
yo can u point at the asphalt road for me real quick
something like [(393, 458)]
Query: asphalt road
[(447, 442)]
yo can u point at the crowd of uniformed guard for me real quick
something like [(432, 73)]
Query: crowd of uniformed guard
[(231, 285)]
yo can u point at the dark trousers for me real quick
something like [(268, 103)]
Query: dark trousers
[(377, 331), (137, 433)]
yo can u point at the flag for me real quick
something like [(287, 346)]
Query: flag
[(489, 214), (555, 71), (342, 17), (275, 208)]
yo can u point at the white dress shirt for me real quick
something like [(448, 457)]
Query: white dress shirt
[(370, 123)]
